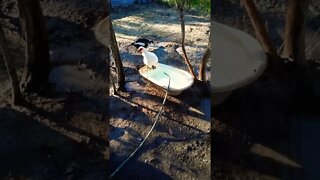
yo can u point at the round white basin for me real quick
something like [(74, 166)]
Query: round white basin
[(237, 60), (179, 79)]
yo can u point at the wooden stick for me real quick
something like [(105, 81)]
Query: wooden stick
[(185, 56), (294, 43), (261, 32)]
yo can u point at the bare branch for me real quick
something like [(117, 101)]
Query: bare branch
[(261, 32), (294, 42), (16, 93), (180, 7)]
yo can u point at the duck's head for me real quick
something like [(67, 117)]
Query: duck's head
[(141, 49)]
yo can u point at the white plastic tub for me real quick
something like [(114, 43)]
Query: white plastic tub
[(179, 79), (237, 60)]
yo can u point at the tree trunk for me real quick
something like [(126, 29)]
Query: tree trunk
[(116, 53), (204, 61), (183, 32), (261, 32), (294, 43), (36, 75), (16, 94)]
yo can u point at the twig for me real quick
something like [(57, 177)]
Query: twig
[(266, 25), (280, 48)]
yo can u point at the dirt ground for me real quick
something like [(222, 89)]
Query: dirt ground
[(179, 146), (269, 129), (273, 135), (161, 25), (62, 135)]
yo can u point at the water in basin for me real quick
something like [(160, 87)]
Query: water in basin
[(179, 79)]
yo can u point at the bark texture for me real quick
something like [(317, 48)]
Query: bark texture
[(115, 52), (180, 6), (294, 42), (10, 66), (36, 75)]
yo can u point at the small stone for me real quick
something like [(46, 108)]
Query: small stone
[(189, 148)]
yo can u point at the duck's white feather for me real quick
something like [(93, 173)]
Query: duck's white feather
[(150, 59)]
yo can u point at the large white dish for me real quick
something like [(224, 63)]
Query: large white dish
[(179, 79), (237, 60)]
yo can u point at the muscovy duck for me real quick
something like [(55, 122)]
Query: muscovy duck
[(149, 59)]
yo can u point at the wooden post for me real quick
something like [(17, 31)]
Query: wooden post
[(261, 33), (180, 8), (115, 52), (204, 61), (36, 75), (16, 93), (294, 42)]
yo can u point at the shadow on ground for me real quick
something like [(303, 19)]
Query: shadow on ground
[(262, 130), (39, 150)]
